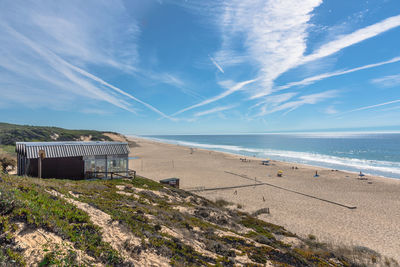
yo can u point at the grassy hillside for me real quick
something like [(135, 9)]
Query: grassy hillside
[(11, 133), (140, 222)]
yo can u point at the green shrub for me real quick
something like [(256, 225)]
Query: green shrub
[(8, 202), (220, 202)]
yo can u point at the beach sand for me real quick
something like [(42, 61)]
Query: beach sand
[(374, 223)]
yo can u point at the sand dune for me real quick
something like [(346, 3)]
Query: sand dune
[(374, 223)]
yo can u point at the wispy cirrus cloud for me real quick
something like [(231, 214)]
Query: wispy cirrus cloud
[(274, 100), (65, 68), (323, 76), (331, 110), (34, 63), (83, 33), (300, 101), (170, 79), (353, 38), (216, 64), (272, 35), (31, 47), (213, 110), (231, 90), (120, 91), (334, 46), (387, 81), (51, 47), (370, 107)]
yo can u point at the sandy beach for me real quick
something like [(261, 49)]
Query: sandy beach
[(298, 201)]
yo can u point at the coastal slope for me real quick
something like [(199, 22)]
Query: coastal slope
[(139, 222)]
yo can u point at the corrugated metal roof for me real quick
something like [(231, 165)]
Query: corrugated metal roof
[(71, 149)]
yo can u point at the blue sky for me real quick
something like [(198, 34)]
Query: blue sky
[(194, 67)]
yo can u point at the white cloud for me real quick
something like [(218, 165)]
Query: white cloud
[(216, 64), (391, 108), (36, 35), (301, 101), (233, 89), (90, 32), (170, 79), (319, 77), (51, 46), (37, 64), (273, 100), (67, 70), (332, 47), (213, 110), (353, 38), (371, 106), (273, 35), (387, 81), (97, 79), (330, 110)]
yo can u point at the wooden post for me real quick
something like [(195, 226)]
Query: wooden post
[(40, 167), (42, 155)]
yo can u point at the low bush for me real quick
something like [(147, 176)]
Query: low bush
[(220, 202)]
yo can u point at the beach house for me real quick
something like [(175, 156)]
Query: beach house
[(72, 160)]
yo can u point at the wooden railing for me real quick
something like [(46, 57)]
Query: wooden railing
[(130, 174)]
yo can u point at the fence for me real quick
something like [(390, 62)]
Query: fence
[(115, 174)]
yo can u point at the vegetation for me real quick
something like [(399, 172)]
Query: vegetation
[(21, 201), (220, 202), (6, 163), (147, 210), (11, 133), (7, 149)]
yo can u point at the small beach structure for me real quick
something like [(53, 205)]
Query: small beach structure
[(361, 176), (72, 160), (174, 182), (265, 162)]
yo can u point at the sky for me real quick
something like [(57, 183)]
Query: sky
[(201, 67)]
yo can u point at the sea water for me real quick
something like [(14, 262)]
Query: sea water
[(371, 153)]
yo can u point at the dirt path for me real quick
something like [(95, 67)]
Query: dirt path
[(117, 235), (36, 241)]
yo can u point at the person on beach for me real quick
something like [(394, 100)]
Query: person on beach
[(316, 174)]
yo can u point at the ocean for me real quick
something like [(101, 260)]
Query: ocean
[(371, 153)]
